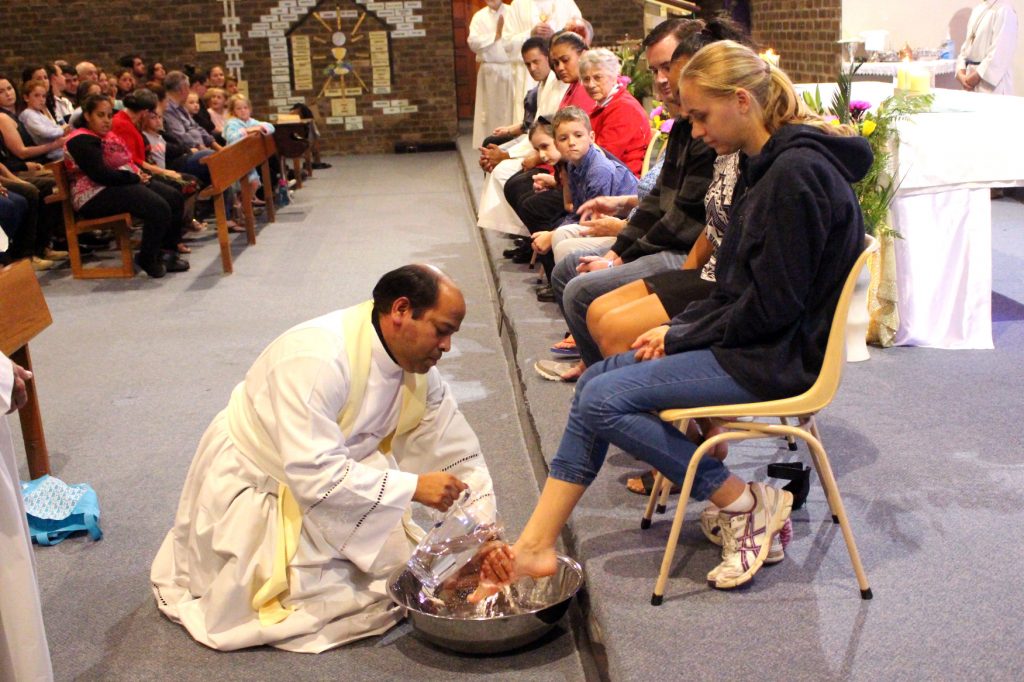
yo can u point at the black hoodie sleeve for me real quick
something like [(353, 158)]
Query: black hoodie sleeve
[(87, 151)]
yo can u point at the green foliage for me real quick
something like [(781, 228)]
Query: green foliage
[(878, 188), (842, 98)]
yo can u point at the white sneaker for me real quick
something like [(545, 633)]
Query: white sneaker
[(713, 532), (747, 536), (553, 370)]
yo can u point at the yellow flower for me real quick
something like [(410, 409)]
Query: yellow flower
[(867, 127)]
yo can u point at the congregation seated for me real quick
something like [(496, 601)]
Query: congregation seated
[(241, 124), (15, 135), (136, 64), (214, 102), (620, 123), (181, 128), (155, 73), (124, 82), (761, 335), (588, 171), (104, 181), (38, 121), (59, 106), (216, 77)]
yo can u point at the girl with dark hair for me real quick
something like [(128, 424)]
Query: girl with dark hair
[(565, 52), (104, 181)]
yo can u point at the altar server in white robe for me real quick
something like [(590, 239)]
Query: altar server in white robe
[(494, 105), (494, 212), (23, 651), (297, 503), (985, 63), (527, 18)]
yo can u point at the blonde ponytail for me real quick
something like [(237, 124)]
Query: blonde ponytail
[(722, 68)]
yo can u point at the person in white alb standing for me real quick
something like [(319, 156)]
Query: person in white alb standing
[(526, 18), (985, 63), (24, 654), (494, 90)]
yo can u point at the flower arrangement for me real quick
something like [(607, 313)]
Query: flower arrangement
[(661, 120), (877, 189), (638, 78)]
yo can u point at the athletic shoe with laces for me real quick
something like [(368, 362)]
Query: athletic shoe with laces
[(747, 536), (713, 532), (553, 370)]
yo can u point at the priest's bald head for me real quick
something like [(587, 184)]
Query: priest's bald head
[(418, 308)]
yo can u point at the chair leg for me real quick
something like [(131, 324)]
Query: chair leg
[(839, 513), (789, 439), (645, 522), (677, 524), (666, 490)]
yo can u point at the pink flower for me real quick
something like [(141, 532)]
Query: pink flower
[(656, 112), (666, 127), (859, 106), (625, 80)]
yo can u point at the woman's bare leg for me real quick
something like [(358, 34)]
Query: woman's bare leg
[(605, 303), (617, 329)]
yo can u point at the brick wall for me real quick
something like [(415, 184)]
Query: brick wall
[(613, 19), (804, 33), (422, 67)]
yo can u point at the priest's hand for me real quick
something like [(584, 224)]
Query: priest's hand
[(19, 392), (438, 490)]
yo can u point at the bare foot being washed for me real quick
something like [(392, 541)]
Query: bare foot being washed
[(502, 565)]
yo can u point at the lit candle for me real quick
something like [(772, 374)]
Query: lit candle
[(920, 81), (903, 76), (770, 56)]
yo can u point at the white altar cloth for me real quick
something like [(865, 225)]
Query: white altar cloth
[(948, 159), (936, 67)]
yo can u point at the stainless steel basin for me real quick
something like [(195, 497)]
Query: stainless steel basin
[(542, 601)]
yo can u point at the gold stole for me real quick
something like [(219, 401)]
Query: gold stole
[(359, 334)]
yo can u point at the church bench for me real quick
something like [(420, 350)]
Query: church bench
[(229, 165)]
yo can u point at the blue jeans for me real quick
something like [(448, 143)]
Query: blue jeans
[(576, 292), (191, 164), (617, 401)]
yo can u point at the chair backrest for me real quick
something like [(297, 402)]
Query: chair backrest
[(820, 394), (235, 160), (23, 309)]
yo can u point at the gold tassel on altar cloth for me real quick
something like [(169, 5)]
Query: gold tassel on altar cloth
[(883, 296)]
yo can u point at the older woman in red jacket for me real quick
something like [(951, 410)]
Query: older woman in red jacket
[(620, 123)]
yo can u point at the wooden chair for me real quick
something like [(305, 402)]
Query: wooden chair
[(292, 139), (23, 314), (229, 165), (803, 408), (120, 223)]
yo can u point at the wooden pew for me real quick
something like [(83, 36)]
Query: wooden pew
[(229, 165), (74, 226), (23, 314)]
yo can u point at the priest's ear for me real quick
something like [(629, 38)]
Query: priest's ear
[(401, 308)]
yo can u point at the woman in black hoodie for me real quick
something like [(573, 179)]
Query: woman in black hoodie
[(792, 238)]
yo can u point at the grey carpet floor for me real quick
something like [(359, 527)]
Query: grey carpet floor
[(927, 449), (131, 372)]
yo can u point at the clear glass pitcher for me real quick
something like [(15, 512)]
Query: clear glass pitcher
[(452, 543)]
